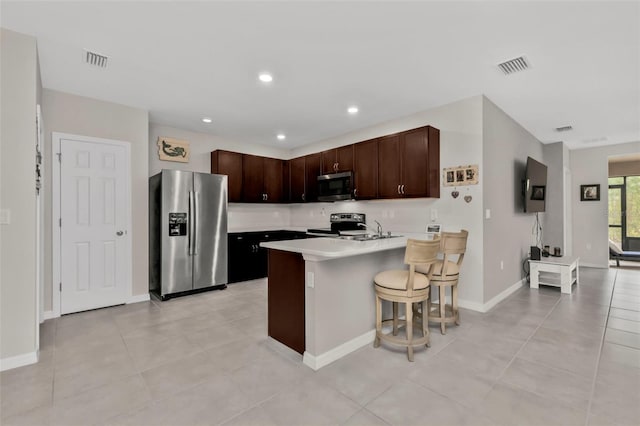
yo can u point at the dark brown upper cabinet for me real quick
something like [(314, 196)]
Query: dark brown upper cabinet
[(337, 160), (262, 179), (311, 173), (402, 165), (296, 177), (303, 175), (408, 164), (230, 164), (365, 167)]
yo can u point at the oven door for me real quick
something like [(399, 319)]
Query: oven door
[(335, 186)]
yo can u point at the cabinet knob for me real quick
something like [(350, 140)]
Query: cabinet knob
[(303, 198), (266, 197), (335, 167), (355, 192), (402, 189), (399, 189)]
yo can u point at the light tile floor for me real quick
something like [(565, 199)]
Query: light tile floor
[(538, 358)]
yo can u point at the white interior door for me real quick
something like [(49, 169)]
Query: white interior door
[(94, 212)]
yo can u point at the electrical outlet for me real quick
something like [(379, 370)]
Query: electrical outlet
[(487, 214), (434, 215), (502, 265), (311, 280)]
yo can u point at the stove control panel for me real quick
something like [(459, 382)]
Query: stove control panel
[(347, 217)]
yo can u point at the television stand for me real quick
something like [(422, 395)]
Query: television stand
[(556, 271)]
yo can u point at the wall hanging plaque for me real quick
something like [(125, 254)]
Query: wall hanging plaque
[(460, 175), (170, 149)]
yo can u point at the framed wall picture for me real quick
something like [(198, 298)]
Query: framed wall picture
[(170, 149), (460, 175), (590, 192)]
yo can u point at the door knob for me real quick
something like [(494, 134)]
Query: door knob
[(120, 233)]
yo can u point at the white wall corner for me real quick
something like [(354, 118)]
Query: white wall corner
[(316, 362), (18, 361), (139, 298), (503, 295), (47, 315)]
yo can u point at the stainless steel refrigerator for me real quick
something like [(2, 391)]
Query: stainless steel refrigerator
[(187, 232)]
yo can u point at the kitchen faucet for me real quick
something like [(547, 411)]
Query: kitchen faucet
[(378, 230)]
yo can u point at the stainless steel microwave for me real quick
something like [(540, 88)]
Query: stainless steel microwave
[(335, 186)]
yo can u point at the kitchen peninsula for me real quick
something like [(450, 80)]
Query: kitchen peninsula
[(321, 297)]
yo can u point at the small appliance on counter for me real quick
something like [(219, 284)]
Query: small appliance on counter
[(187, 232), (341, 223)]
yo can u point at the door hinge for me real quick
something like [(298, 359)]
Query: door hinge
[(59, 154), (60, 222), (60, 287)]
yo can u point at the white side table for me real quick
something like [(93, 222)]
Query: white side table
[(564, 270)]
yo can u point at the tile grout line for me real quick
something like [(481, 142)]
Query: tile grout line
[(595, 374), (504, 370)]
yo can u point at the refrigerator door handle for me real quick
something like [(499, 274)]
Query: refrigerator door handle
[(192, 214), (196, 206)]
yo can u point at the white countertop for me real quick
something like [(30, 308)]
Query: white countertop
[(332, 248)]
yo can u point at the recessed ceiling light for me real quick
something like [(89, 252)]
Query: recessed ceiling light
[(207, 120), (265, 77), (281, 137), (352, 110)]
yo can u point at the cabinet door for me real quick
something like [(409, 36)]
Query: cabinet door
[(366, 169), (434, 162), (344, 158), (389, 166), (296, 175), (252, 176), (230, 164), (328, 161), (414, 160), (286, 182), (273, 172), (240, 251), (312, 171)]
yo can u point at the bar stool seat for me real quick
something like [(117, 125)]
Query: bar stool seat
[(408, 287)]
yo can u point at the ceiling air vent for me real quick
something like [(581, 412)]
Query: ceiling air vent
[(564, 129), (95, 59), (514, 65)]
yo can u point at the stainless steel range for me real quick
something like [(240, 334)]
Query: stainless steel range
[(342, 223)]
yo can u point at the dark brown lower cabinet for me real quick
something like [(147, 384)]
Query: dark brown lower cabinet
[(286, 299)]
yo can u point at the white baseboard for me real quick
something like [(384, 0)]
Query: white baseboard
[(47, 315), (503, 295), (319, 361), (473, 306), (18, 361), (139, 298), (486, 307)]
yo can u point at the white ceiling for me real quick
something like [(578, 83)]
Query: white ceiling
[(182, 61)]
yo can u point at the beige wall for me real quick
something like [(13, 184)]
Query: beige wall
[(18, 305), (556, 158), (590, 218), (506, 146), (67, 113)]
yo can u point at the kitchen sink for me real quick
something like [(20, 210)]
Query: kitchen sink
[(368, 237)]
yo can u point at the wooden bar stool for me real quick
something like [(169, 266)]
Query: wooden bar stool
[(408, 287), (445, 274)]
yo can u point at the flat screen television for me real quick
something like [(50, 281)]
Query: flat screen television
[(535, 186)]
